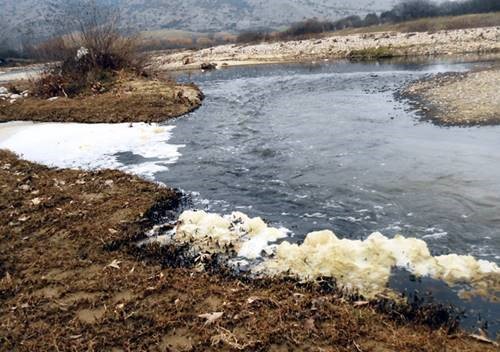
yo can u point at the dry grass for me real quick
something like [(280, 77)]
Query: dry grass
[(58, 291), (128, 99)]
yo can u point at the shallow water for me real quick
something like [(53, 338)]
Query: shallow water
[(7, 75), (312, 147), (329, 146)]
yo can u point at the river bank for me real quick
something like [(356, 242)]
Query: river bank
[(131, 99), (72, 278), (458, 99), (358, 46)]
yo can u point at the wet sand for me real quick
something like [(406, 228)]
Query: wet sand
[(72, 278)]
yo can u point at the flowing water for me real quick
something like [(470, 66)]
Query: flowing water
[(315, 147), (312, 147)]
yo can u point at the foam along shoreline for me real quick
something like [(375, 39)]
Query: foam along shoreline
[(92, 146), (363, 266)]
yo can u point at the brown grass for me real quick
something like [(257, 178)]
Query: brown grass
[(129, 100), (58, 291)]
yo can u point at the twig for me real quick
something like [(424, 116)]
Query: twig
[(357, 346)]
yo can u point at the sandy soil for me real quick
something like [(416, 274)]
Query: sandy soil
[(72, 279), (447, 42), (131, 100), (458, 99)]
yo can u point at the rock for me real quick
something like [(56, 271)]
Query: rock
[(3, 90), (208, 66), (15, 96)]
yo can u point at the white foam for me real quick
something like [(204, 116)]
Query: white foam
[(92, 146), (231, 234), (359, 265)]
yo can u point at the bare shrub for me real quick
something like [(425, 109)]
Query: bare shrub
[(91, 50)]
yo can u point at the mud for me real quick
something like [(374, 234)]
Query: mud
[(72, 278), (134, 100)]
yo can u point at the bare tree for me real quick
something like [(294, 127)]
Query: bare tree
[(94, 25)]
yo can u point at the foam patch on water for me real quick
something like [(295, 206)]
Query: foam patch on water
[(236, 233), (364, 266), (92, 146)]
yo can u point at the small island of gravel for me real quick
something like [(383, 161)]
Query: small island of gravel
[(458, 99)]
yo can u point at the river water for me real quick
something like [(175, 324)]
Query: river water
[(327, 146)]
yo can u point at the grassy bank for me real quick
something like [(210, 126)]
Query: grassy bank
[(129, 99), (71, 278)]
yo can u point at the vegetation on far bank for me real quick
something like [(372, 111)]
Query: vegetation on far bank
[(406, 16), (372, 53)]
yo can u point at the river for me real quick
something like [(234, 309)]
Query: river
[(330, 146)]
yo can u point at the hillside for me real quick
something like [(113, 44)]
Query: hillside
[(195, 15)]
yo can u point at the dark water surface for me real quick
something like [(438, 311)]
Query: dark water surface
[(313, 147)]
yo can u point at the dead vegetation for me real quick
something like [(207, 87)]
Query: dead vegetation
[(432, 24), (99, 76), (129, 99), (71, 278), (313, 28)]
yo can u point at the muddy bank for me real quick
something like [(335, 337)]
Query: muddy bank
[(458, 99), (130, 100), (72, 279), (392, 44)]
